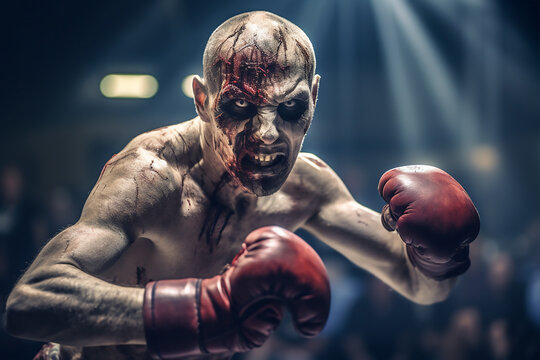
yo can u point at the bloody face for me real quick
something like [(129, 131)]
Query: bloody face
[(261, 110)]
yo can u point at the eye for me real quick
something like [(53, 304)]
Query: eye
[(290, 103), (239, 109), (241, 103), (292, 110)]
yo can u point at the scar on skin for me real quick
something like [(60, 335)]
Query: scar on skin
[(359, 220), (184, 142), (315, 162), (116, 158), (105, 166), (67, 245), (136, 191), (216, 218), (163, 177), (173, 151), (319, 162)]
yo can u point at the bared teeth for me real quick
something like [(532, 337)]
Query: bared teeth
[(263, 159)]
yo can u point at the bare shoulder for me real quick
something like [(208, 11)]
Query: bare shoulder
[(316, 178), (175, 144), (144, 176)]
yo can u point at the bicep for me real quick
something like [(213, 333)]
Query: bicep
[(87, 246), (135, 187), (105, 228)]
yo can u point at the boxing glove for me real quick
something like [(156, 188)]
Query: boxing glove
[(433, 215), (237, 310)]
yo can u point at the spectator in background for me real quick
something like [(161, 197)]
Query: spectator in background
[(381, 325), (528, 252), (61, 211), (464, 340), (20, 228), (508, 327), (20, 220)]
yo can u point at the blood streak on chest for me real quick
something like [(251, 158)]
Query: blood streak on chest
[(216, 217)]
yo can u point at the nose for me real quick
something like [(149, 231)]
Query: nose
[(264, 126)]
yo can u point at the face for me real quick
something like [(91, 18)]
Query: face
[(259, 116)]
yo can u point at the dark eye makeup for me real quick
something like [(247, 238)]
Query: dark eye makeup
[(292, 110), (239, 109)]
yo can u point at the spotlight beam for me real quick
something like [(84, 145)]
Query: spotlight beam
[(435, 72), (405, 107)]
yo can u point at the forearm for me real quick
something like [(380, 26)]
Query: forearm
[(360, 237), (61, 303), (412, 283)]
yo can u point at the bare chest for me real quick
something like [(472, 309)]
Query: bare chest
[(202, 235)]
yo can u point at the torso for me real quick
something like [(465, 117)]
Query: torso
[(196, 236), (204, 237)]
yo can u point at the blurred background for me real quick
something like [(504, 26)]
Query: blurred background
[(453, 84)]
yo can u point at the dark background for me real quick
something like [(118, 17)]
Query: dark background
[(453, 84)]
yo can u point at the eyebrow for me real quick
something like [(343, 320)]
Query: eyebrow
[(294, 92), (233, 91), (288, 92), (301, 95)]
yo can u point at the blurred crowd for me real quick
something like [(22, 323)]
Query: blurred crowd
[(27, 221), (493, 313)]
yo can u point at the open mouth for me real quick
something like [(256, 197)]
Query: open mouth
[(264, 163)]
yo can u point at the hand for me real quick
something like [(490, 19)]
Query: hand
[(433, 215), (238, 310)]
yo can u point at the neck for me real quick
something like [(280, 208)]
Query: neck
[(214, 179)]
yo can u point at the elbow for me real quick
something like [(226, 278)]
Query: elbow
[(430, 300), (16, 315), (27, 315), (432, 291)]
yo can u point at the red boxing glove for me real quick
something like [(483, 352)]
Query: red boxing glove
[(433, 215), (238, 310)]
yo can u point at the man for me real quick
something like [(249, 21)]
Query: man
[(178, 202)]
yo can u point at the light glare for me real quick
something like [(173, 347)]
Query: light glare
[(485, 158), (187, 86), (128, 86)]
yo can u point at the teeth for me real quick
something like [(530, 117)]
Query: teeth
[(262, 158)]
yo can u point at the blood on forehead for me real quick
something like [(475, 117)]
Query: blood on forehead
[(246, 62), (248, 71)]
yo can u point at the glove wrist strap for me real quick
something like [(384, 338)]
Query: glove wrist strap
[(171, 318), (455, 266)]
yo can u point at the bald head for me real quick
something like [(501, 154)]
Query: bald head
[(257, 99), (254, 49)]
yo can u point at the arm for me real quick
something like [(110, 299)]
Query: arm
[(60, 298), (56, 300), (357, 233)]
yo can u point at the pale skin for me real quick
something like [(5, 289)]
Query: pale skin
[(170, 206)]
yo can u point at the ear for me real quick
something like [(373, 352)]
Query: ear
[(200, 96), (315, 88)]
